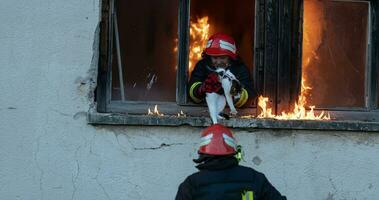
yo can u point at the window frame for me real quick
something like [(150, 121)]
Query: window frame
[(182, 103), (275, 69), (370, 112)]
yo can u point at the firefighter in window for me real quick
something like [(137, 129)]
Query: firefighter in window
[(220, 175), (221, 52)]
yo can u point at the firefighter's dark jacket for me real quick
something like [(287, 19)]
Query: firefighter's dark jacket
[(201, 71), (224, 179)]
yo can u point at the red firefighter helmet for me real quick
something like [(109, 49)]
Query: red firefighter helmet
[(217, 140), (221, 44)]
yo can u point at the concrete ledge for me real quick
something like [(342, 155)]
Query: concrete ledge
[(151, 120)]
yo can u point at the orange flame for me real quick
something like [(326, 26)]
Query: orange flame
[(182, 114), (154, 112), (313, 22), (199, 33)]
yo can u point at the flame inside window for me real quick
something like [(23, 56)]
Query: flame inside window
[(311, 41), (199, 33)]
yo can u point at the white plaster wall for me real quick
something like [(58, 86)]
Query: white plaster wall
[(47, 150)]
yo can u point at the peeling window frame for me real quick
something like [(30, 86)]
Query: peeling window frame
[(273, 61)]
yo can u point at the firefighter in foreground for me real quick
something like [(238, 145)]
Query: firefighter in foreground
[(220, 51), (220, 177)]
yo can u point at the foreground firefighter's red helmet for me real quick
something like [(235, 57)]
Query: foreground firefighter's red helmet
[(217, 140), (221, 44)]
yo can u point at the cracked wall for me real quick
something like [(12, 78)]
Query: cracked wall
[(48, 61)]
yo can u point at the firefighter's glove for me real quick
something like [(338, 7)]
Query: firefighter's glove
[(210, 84)]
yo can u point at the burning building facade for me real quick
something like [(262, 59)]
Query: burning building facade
[(80, 81)]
